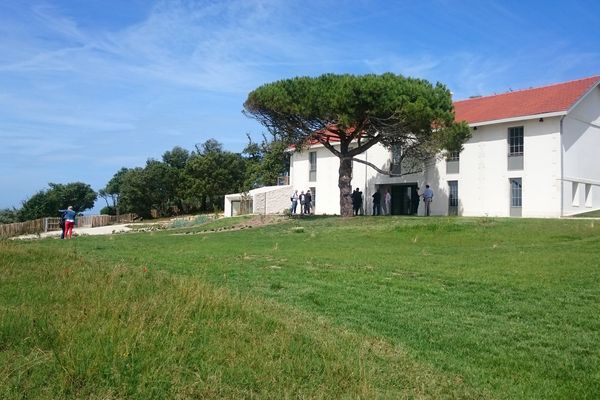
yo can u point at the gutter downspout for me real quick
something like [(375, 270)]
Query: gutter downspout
[(365, 208), (562, 172)]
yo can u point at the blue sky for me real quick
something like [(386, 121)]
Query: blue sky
[(90, 86)]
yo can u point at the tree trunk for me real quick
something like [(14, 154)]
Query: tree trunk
[(345, 185)]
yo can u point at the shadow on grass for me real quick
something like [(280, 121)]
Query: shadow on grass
[(590, 214)]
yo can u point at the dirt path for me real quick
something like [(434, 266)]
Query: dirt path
[(100, 230)]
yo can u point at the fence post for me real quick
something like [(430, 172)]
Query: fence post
[(46, 224)]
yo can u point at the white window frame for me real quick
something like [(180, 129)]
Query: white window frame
[(453, 156), (453, 195), (516, 194), (312, 166), (514, 147)]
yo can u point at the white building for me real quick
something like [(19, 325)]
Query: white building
[(533, 153)]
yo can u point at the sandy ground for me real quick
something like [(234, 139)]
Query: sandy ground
[(100, 230)]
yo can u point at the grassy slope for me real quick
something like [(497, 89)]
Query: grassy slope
[(437, 308)]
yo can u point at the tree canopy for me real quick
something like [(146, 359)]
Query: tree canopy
[(336, 110), (183, 181), (9, 215), (177, 157), (46, 203), (112, 191), (212, 175), (266, 162)]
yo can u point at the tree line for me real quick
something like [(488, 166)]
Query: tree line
[(182, 181)]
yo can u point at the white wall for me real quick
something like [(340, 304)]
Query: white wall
[(581, 160), (483, 181), (326, 196), (265, 200), (271, 199)]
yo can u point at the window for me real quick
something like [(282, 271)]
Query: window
[(452, 197), (453, 156), (515, 141), (516, 192), (312, 170), (452, 162), (396, 159), (452, 193), (313, 192)]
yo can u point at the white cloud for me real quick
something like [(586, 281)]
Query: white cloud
[(224, 46)]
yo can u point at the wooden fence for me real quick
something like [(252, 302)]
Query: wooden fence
[(52, 224), (92, 221), (22, 228)]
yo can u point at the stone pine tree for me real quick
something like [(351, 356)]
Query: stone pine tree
[(337, 110)]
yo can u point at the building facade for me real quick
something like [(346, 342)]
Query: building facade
[(533, 153)]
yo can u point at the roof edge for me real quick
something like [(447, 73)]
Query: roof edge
[(519, 118), (597, 77), (583, 96)]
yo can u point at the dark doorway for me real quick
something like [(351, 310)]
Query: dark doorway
[(405, 199)]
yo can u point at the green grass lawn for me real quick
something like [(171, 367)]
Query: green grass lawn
[(370, 307)]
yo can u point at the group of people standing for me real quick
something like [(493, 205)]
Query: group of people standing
[(387, 199), (357, 202), (305, 200)]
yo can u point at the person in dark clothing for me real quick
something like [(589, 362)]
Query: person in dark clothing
[(302, 199), (377, 203), (356, 201), (307, 202), (61, 223), (416, 197)]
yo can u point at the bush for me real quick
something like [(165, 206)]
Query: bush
[(9, 216), (108, 211)]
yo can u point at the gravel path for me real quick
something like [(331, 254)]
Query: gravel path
[(100, 230)]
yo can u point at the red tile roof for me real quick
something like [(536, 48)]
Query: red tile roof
[(520, 103)]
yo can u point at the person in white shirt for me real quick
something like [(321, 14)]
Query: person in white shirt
[(427, 198), (294, 199), (388, 202)]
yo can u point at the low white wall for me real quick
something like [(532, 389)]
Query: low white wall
[(228, 199), (271, 200), (265, 200)]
